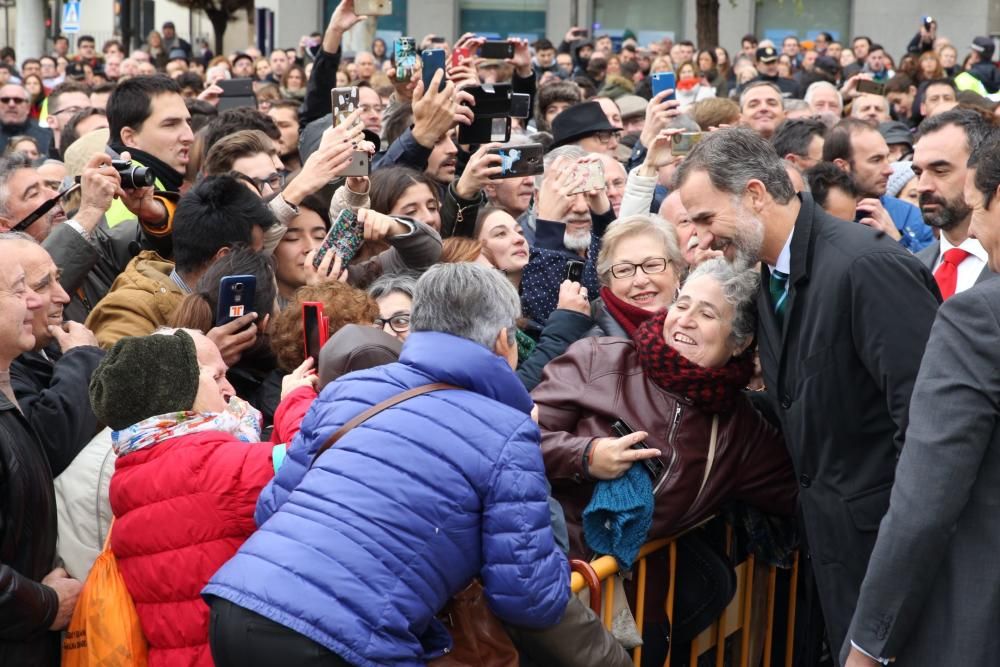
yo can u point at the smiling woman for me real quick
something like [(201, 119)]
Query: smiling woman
[(678, 380)]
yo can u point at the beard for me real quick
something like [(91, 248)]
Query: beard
[(949, 214), (748, 242), (577, 242)]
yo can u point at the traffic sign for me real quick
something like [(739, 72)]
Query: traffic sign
[(71, 16)]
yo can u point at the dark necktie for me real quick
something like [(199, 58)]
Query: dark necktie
[(779, 293), (947, 272)]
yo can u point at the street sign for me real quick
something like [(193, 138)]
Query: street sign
[(71, 16)]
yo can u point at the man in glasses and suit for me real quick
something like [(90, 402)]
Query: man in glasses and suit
[(15, 106)]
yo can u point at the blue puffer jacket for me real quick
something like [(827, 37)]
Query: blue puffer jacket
[(360, 552)]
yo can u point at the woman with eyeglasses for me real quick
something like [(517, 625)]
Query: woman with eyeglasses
[(393, 293), (639, 268)]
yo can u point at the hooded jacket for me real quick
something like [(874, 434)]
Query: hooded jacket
[(361, 550)]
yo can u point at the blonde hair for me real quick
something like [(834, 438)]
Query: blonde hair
[(635, 225)]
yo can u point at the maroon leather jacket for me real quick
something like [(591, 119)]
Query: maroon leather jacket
[(598, 381)]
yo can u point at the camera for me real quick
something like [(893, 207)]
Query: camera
[(133, 176)]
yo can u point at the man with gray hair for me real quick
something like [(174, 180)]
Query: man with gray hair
[(761, 108), (825, 101), (844, 319), (571, 214)]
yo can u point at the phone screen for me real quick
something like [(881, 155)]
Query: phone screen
[(311, 330)]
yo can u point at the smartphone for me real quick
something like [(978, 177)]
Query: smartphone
[(314, 330), (520, 105), (236, 298), (491, 99), (496, 49), (664, 81), (459, 56), (343, 102), (574, 270), (345, 237), (682, 144), (871, 87), (236, 93), (373, 7), (405, 49), (860, 215), (520, 161), (432, 60), (595, 177), (655, 467)]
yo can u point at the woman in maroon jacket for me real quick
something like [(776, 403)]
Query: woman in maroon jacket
[(680, 378), (190, 468)]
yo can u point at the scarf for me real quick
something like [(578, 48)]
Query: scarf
[(625, 314), (167, 175), (239, 419), (525, 346), (713, 390)]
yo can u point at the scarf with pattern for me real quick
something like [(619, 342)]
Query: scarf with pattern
[(239, 419)]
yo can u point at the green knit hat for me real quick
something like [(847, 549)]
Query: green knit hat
[(145, 376)]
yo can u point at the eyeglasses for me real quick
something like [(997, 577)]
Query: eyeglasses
[(398, 323), (71, 110), (649, 267), (605, 136), (14, 100), (275, 181)]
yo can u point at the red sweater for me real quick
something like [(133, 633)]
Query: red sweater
[(182, 509)]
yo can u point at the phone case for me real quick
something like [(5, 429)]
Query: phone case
[(236, 93), (595, 177), (520, 161), (574, 270), (494, 49), (346, 235), (459, 56), (360, 165), (433, 60), (405, 49), (373, 7), (236, 298), (664, 81), (314, 329), (871, 87), (343, 102)]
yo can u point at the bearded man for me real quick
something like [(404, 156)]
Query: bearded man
[(845, 314)]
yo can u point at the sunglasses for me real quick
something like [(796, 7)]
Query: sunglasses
[(13, 100)]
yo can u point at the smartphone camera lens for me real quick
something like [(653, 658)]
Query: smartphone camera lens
[(238, 288)]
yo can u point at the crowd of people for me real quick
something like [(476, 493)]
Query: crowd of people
[(764, 292)]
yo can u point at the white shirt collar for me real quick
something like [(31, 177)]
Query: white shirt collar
[(784, 263), (969, 245)]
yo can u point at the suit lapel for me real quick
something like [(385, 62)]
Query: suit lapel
[(768, 320), (801, 260)]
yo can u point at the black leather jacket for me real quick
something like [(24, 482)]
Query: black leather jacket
[(27, 546)]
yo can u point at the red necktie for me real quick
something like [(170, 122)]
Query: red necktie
[(947, 272)]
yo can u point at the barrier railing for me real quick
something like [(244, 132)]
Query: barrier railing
[(739, 617)]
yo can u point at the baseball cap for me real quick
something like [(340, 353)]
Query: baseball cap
[(983, 46)]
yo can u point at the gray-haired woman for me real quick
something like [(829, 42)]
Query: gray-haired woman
[(393, 293), (678, 380)]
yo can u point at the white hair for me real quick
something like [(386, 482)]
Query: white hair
[(821, 85)]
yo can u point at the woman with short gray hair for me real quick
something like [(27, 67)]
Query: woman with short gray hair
[(677, 381), (393, 292), (639, 268)]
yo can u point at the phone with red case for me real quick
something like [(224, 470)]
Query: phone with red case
[(459, 55), (315, 330)]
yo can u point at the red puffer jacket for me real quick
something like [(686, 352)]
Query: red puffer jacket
[(182, 508)]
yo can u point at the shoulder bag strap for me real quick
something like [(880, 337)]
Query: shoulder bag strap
[(375, 409)]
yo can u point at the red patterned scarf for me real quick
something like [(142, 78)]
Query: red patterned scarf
[(710, 389), (625, 314)]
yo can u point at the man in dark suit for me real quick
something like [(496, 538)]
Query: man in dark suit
[(939, 161), (932, 592), (844, 317)]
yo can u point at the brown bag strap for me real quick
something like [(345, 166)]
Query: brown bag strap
[(375, 409)]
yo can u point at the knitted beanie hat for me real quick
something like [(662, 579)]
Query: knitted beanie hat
[(902, 172), (145, 376)]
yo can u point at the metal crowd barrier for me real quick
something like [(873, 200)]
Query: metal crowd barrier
[(739, 617)]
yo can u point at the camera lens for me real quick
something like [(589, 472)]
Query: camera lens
[(238, 287)]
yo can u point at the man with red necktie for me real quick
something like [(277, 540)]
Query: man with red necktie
[(939, 161)]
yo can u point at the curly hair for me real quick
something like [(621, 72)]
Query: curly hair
[(342, 304)]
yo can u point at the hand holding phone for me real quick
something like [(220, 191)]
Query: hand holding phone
[(590, 176), (654, 466), (520, 161), (236, 298), (433, 60), (345, 237), (611, 457), (314, 329), (574, 270)]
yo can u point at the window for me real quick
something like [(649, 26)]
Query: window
[(775, 21), (502, 18), (649, 20)]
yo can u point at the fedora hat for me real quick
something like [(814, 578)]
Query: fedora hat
[(579, 121)]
